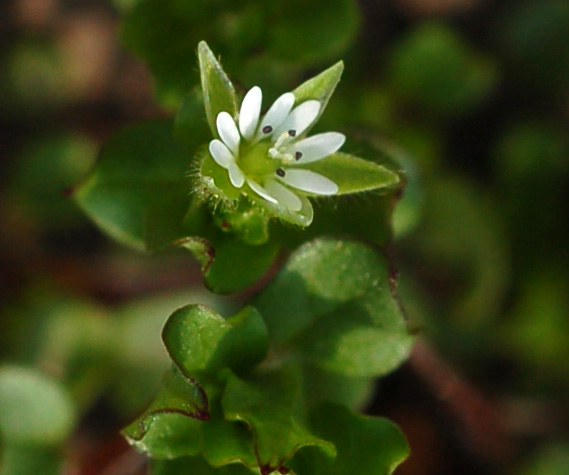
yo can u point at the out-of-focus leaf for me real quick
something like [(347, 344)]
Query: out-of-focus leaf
[(266, 403), (434, 67), (370, 445), (46, 168), (548, 460), (309, 31), (534, 38), (461, 236), (138, 191), (27, 459), (333, 303), (35, 409)]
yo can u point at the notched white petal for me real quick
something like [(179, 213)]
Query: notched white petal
[(236, 175), (277, 113), (317, 147), (221, 153), (300, 118), (249, 113), (261, 191), (228, 131), (284, 196), (309, 181)]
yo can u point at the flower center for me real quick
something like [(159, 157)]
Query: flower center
[(255, 161)]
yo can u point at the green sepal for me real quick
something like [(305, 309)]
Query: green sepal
[(266, 403), (334, 304), (370, 445), (247, 221), (353, 174), (319, 88), (218, 91)]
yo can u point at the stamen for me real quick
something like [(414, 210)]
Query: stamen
[(267, 129), (280, 172), (292, 132), (298, 155)]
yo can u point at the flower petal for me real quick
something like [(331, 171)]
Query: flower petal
[(261, 191), (283, 195), (236, 175), (307, 180), (228, 131), (300, 118), (249, 113), (221, 153), (318, 146), (277, 113)]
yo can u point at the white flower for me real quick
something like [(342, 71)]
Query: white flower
[(265, 153)]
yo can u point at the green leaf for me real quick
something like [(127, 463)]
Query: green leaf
[(170, 427), (228, 263), (320, 87), (35, 409), (320, 385), (138, 191), (199, 340), (370, 445), (334, 304), (225, 442), (266, 403), (353, 174), (195, 466), (218, 92)]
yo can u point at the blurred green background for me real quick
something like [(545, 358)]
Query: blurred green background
[(471, 97)]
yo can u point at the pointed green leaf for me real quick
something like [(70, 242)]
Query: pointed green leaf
[(138, 191), (198, 339), (370, 445), (266, 403), (334, 303), (353, 174), (320, 87), (218, 92)]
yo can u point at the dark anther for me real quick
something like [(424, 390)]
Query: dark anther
[(297, 155), (292, 132), (280, 172), (267, 129)]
